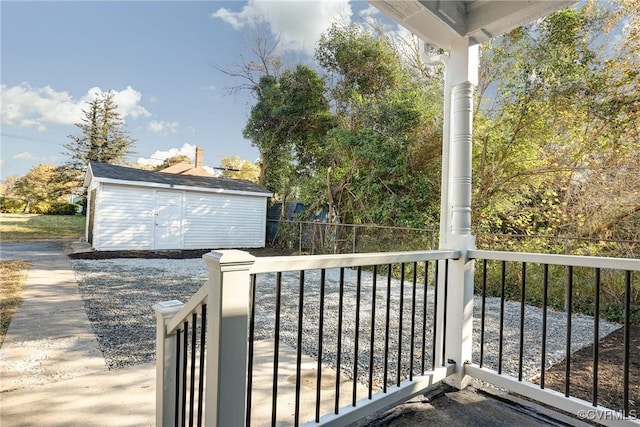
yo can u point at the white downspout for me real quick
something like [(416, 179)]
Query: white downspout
[(446, 126)]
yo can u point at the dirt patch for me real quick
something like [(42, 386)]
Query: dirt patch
[(12, 277), (610, 372), (173, 254)]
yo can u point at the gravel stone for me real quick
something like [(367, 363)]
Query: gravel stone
[(118, 295)]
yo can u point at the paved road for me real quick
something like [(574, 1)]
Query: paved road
[(30, 251)]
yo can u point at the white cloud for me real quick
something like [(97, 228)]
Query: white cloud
[(25, 155), (25, 106), (370, 11), (162, 128), (211, 170), (299, 24), (159, 156), (128, 102)]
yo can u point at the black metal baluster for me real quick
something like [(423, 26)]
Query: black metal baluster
[(276, 350), (434, 336), (484, 303), (413, 318), (501, 336), (545, 294), (252, 328), (400, 316), (522, 307), (176, 421), (444, 309), (203, 338), (627, 342), (185, 361), (192, 380), (567, 366), (386, 334), (299, 349), (373, 328), (424, 315), (596, 337), (339, 344), (320, 343), (356, 338)]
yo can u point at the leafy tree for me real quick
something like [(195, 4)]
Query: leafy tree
[(7, 187), (102, 136), (173, 160), (262, 129), (36, 186), (237, 168), (380, 162), (556, 126), (289, 119)]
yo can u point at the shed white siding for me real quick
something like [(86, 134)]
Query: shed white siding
[(224, 221), (133, 209), (124, 218)]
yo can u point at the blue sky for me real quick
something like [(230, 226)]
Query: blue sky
[(158, 57)]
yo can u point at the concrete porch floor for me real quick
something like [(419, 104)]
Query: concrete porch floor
[(127, 397)]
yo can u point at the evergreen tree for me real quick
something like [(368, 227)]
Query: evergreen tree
[(102, 136)]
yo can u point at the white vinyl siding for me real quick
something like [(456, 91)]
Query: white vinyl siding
[(124, 218), (220, 221)]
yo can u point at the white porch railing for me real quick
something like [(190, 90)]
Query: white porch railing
[(228, 299), (244, 303), (593, 269)]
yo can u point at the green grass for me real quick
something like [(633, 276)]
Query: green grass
[(28, 227)]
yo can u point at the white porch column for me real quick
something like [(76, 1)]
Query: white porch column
[(227, 337), (455, 221)]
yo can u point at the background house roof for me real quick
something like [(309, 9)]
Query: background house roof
[(184, 168), (440, 22), (122, 174)]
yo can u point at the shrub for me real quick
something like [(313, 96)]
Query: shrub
[(12, 205), (63, 208), (40, 208)]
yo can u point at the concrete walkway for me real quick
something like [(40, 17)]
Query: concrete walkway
[(52, 372)]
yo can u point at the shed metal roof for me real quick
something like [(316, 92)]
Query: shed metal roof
[(102, 172)]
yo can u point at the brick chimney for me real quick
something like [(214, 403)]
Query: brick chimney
[(199, 155)]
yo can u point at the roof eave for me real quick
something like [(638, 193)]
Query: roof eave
[(441, 23), (88, 175), (181, 187)]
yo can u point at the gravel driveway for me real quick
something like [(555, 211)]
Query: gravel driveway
[(118, 294)]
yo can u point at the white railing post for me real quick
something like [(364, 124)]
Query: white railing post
[(166, 352), (227, 338)]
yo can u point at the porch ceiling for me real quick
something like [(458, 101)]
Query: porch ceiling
[(441, 22)]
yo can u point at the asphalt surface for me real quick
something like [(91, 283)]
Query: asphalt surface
[(30, 251)]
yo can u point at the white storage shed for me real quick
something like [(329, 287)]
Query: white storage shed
[(132, 209)]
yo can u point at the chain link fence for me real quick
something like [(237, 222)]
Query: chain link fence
[(309, 237), (313, 237)]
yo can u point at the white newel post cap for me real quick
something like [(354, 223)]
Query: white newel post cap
[(229, 259), (168, 307)]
